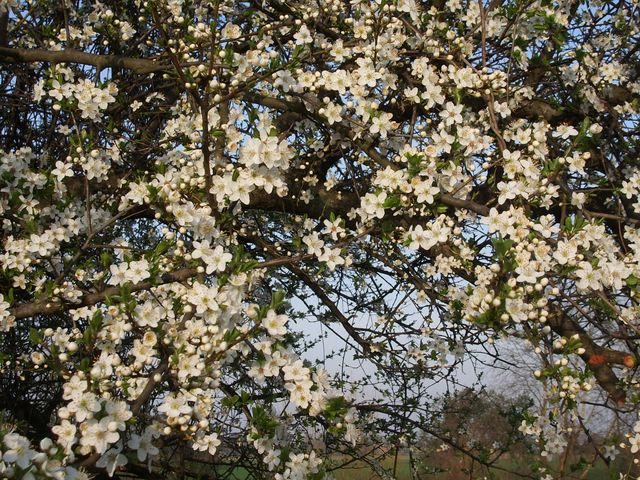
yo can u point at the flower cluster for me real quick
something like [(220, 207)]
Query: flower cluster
[(83, 94), (194, 200), (18, 459)]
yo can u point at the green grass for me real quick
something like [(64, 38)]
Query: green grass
[(362, 471), (234, 473)]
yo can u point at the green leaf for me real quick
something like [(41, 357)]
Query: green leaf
[(85, 365), (162, 247), (442, 208), (263, 422), (125, 292), (87, 336), (392, 201), (105, 258), (388, 227), (96, 321), (247, 266), (35, 336), (502, 246), (229, 402), (153, 192), (276, 299)]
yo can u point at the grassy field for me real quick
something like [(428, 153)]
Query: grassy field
[(362, 471), (354, 471)]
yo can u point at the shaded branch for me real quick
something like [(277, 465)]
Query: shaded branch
[(51, 305), (597, 358), (27, 55)]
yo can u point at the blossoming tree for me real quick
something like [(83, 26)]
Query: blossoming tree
[(188, 189)]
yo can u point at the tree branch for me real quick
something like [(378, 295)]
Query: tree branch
[(26, 55), (137, 65), (50, 305), (598, 359)]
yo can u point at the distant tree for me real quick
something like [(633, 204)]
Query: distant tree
[(196, 196), (480, 429)]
